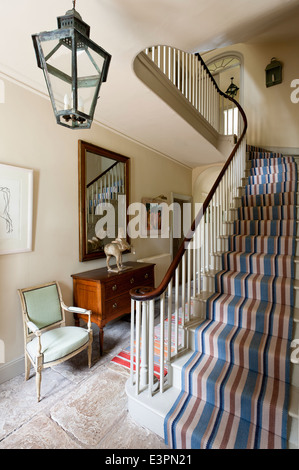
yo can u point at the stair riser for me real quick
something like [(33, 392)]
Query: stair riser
[(228, 229), (223, 246), (261, 214), (210, 286), (275, 266), (241, 191)]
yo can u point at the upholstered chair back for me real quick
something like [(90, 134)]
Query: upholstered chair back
[(43, 305)]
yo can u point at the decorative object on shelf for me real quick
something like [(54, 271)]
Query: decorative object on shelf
[(16, 206), (116, 249), (74, 68), (232, 89), (273, 73)]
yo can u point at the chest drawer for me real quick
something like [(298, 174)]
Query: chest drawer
[(124, 283), (116, 307)]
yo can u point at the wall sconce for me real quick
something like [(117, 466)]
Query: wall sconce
[(74, 68), (273, 73)]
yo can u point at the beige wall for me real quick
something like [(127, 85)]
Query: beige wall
[(30, 138), (273, 120)]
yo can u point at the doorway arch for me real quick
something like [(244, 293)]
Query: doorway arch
[(227, 65)]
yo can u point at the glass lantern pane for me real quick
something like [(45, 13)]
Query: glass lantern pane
[(58, 57), (89, 66)]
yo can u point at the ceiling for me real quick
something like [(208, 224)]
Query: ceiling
[(126, 27)]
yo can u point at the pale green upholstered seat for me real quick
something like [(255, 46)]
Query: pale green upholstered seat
[(58, 343), (47, 339)]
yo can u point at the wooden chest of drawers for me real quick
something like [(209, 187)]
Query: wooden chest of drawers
[(107, 293)]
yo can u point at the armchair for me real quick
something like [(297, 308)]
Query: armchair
[(47, 340)]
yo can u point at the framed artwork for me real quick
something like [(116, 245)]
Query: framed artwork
[(152, 224), (16, 206)]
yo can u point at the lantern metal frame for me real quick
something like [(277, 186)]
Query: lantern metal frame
[(72, 33), (232, 90)]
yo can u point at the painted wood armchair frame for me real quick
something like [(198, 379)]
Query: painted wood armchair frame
[(31, 330)]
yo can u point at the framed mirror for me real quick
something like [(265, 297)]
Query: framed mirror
[(103, 199)]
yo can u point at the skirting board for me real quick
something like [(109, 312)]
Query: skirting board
[(12, 369)]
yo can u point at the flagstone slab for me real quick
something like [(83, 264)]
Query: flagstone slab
[(18, 400), (39, 433), (129, 435), (94, 408)]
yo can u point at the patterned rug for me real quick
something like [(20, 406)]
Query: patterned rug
[(123, 358), (235, 387)]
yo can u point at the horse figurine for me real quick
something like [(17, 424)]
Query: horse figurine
[(116, 249)]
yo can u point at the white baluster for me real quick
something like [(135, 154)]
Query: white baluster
[(132, 342), (151, 348), (137, 346), (188, 283), (162, 341), (169, 317), (176, 315), (145, 338), (183, 288)]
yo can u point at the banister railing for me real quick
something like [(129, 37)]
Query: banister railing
[(175, 301), (191, 76), (104, 189)]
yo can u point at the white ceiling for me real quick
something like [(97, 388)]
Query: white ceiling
[(126, 27)]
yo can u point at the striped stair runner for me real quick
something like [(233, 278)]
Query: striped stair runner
[(235, 387)]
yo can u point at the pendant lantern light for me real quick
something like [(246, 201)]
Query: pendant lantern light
[(74, 68)]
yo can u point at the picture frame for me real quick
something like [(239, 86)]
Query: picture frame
[(16, 209), (152, 217)]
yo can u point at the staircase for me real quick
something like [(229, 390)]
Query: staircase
[(232, 386), (226, 304)]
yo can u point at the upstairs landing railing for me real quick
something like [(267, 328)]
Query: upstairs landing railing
[(172, 305), (190, 75)]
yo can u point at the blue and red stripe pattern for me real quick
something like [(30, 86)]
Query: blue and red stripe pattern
[(235, 387)]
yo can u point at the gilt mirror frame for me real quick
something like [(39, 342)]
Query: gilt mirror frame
[(83, 149)]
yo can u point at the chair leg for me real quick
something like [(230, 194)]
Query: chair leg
[(89, 350), (39, 367), (27, 366), (38, 383)]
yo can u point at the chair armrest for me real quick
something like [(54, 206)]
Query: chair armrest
[(82, 311), (32, 326), (76, 309)]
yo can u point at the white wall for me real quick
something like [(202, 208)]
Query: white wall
[(30, 138), (273, 120)]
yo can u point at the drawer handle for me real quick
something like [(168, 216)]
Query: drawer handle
[(146, 276), (114, 305), (132, 281), (114, 287)]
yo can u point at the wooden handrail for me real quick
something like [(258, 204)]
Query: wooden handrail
[(139, 294), (102, 174)]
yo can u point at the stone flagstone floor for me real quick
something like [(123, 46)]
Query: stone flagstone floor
[(80, 408)]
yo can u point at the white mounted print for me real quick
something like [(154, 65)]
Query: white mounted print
[(16, 205)]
